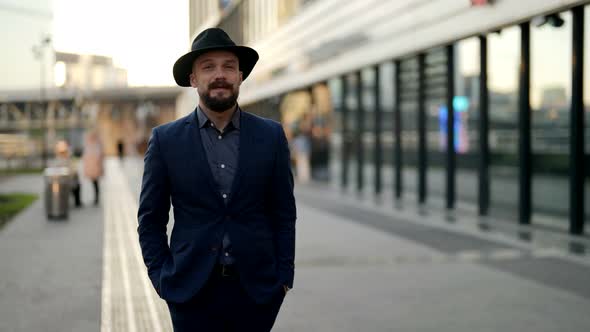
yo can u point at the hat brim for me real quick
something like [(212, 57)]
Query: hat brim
[(183, 67)]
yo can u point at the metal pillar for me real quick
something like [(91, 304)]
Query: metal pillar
[(345, 133), (524, 124), (360, 122), (484, 128), (451, 165), (577, 167), (421, 130), (397, 134), (377, 131)]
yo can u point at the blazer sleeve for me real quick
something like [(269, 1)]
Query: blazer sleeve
[(283, 210), (154, 206)]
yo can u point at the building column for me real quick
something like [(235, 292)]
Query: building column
[(377, 131), (345, 133), (577, 167), (451, 165), (422, 163), (484, 128), (397, 131), (524, 127), (360, 128)]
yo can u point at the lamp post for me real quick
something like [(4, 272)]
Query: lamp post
[(38, 52)]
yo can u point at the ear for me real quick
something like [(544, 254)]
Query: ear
[(241, 78), (193, 80)]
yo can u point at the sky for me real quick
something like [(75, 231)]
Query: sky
[(143, 36)]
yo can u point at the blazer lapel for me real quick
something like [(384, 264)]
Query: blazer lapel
[(197, 155), (247, 141)]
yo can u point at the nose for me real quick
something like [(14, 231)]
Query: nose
[(219, 74)]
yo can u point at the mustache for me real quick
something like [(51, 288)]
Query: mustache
[(220, 84)]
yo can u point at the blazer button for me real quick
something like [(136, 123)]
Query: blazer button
[(227, 218), (214, 248)]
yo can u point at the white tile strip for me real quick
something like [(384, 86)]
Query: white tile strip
[(129, 302), (505, 254)]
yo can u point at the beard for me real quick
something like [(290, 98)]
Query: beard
[(219, 104)]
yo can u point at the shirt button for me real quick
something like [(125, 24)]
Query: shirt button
[(219, 137), (226, 254), (224, 195), (222, 165)]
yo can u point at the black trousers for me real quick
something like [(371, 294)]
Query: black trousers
[(96, 191), (76, 195), (223, 306)]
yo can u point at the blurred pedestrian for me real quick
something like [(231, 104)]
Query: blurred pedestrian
[(227, 172), (302, 147), (63, 158), (120, 149), (92, 159)]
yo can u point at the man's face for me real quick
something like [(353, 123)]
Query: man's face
[(217, 77)]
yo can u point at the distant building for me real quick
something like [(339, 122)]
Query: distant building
[(554, 98), (87, 72)]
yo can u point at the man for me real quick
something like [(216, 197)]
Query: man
[(226, 172)]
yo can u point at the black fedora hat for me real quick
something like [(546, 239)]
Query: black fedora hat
[(213, 39)]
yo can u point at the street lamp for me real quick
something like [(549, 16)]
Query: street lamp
[(38, 52)]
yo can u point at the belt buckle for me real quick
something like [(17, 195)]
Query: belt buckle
[(224, 272)]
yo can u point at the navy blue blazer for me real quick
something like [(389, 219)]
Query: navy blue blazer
[(259, 217)]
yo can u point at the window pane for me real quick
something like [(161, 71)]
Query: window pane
[(321, 130), (387, 90), (352, 106), (368, 100), (435, 76), (409, 118), (503, 63), (467, 75), (551, 52), (335, 87)]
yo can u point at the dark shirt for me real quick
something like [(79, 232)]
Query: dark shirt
[(221, 148)]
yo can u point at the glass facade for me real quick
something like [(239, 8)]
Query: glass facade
[(351, 129), (503, 64), (387, 103), (435, 76), (368, 138), (551, 51), (408, 104), (322, 112), (347, 106), (335, 161), (467, 77)]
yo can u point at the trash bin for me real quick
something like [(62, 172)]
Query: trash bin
[(57, 192)]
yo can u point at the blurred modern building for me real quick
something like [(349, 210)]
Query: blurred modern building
[(379, 77), (91, 93), (27, 52), (87, 72)]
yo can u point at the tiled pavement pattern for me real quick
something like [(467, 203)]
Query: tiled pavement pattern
[(129, 302), (361, 269)]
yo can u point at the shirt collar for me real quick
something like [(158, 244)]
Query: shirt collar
[(204, 120)]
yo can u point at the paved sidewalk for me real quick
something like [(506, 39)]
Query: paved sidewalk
[(50, 270), (358, 269), (351, 277)]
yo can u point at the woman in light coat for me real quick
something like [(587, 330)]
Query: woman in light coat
[(93, 161)]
